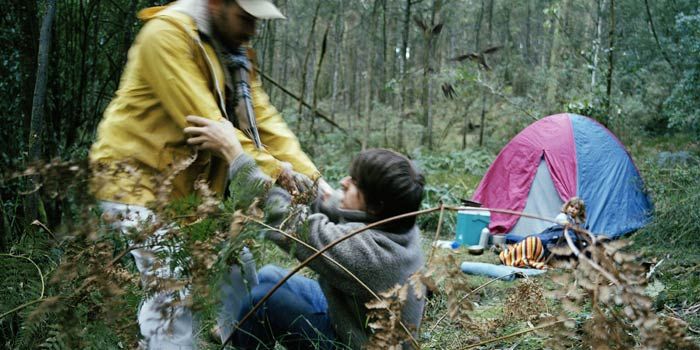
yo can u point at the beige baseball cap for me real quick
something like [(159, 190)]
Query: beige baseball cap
[(261, 9)]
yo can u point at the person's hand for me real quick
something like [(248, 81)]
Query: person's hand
[(324, 189), (218, 137), (292, 181)]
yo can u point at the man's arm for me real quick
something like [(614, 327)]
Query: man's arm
[(279, 141), (249, 181)]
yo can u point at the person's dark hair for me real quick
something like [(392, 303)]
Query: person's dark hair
[(390, 185)]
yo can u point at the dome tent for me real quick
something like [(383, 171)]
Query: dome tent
[(559, 157)]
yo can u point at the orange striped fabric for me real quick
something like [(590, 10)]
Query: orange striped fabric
[(526, 253)]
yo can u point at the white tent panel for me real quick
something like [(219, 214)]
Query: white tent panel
[(542, 200)]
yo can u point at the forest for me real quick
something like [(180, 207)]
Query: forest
[(448, 83)]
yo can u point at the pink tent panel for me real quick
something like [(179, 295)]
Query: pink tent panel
[(552, 138)]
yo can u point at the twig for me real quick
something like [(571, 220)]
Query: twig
[(22, 307), (506, 98), (357, 279), (653, 269), (123, 253), (40, 224), (493, 340), (355, 232), (317, 254), (583, 257), (32, 191), (41, 276), (316, 111), (503, 211), (437, 234), (89, 280), (467, 295)]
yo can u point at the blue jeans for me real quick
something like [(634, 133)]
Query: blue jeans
[(295, 315)]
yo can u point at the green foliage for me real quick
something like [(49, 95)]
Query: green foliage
[(675, 189), (458, 163), (673, 233), (683, 105), (451, 177)]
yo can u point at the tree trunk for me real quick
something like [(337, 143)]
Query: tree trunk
[(285, 58), (304, 68), (402, 72), (314, 88), (39, 102), (656, 37), (611, 64), (430, 37), (527, 34), (368, 110), (338, 32), (270, 52), (554, 57), (483, 117), (507, 76), (596, 42), (42, 75), (28, 55)]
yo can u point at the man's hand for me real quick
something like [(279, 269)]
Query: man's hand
[(218, 137)]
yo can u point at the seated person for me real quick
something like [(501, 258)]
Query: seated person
[(305, 313), (573, 212)]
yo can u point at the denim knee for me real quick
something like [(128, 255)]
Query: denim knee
[(271, 274)]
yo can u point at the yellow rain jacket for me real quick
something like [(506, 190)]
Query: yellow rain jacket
[(172, 73)]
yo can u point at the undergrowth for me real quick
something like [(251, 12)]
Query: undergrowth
[(91, 286)]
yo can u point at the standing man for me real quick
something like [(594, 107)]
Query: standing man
[(190, 58)]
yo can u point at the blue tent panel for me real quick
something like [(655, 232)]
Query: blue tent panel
[(608, 181)]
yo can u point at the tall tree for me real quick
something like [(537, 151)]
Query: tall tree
[(611, 64), (39, 102), (402, 71), (305, 66), (430, 30)]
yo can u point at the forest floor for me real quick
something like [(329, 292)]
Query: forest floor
[(674, 287)]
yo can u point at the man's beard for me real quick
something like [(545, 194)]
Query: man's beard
[(227, 40)]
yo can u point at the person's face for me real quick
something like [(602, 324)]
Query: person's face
[(352, 197), (231, 24), (573, 210)]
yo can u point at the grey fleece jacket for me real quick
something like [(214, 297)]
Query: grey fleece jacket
[(380, 259)]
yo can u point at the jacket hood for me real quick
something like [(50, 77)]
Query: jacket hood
[(196, 9)]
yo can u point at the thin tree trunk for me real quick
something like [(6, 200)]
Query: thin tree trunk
[(285, 57), (39, 102), (368, 111), (611, 63), (484, 98), (656, 37), (383, 64), (596, 42), (527, 34), (508, 46), (42, 76), (554, 55), (339, 31), (28, 51), (477, 48), (483, 117), (402, 72), (383, 60), (304, 68), (429, 36), (270, 51), (314, 90)]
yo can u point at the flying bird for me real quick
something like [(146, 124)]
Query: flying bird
[(478, 57)]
